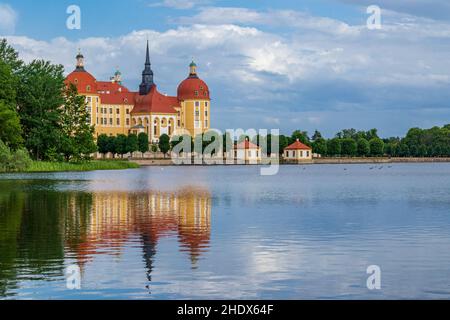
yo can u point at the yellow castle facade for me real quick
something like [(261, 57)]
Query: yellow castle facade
[(114, 109)]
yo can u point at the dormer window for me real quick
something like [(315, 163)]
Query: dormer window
[(75, 81), (88, 88), (196, 93)]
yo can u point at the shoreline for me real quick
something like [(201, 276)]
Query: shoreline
[(104, 165), (380, 160)]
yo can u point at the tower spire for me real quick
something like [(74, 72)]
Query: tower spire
[(147, 75), (147, 57)]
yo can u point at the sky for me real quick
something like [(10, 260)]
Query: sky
[(286, 64)]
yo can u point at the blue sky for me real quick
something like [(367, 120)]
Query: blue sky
[(269, 64)]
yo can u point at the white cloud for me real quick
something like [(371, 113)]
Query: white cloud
[(321, 65), (286, 18), (8, 19)]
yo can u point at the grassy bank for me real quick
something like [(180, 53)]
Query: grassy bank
[(41, 166)]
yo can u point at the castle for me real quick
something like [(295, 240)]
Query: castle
[(116, 110)]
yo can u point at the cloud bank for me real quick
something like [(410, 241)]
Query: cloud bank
[(286, 69)]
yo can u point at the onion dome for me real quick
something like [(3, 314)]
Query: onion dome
[(193, 87), (83, 80)]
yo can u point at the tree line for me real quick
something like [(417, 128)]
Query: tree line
[(434, 142)]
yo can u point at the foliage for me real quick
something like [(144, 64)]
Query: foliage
[(376, 147), (17, 160), (348, 147), (363, 147), (120, 144), (40, 97), (319, 146), (132, 143), (143, 142), (164, 144), (10, 129), (103, 144), (334, 147), (77, 141), (43, 166)]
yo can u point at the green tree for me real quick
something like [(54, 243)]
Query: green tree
[(317, 135), (319, 146), (103, 144), (17, 160), (164, 144), (302, 136), (283, 143), (21, 159), (376, 147), (403, 150), (334, 147), (120, 144), (348, 147), (10, 56), (40, 97), (77, 141), (5, 157), (143, 143), (422, 151), (132, 143), (363, 147), (10, 129), (111, 146)]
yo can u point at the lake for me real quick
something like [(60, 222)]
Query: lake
[(309, 232)]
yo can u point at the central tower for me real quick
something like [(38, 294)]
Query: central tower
[(147, 76)]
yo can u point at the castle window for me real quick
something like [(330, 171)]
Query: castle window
[(206, 104), (110, 111), (196, 93), (118, 121), (128, 122), (128, 111), (197, 104), (110, 121), (206, 123), (118, 111), (179, 123), (88, 88)]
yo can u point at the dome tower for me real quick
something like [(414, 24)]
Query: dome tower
[(194, 97)]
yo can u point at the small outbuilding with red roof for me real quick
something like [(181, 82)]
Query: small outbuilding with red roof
[(298, 151), (247, 152)]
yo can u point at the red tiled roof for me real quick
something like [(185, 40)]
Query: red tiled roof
[(111, 87), (82, 80), (193, 88), (246, 145), (127, 98), (297, 145), (155, 102)]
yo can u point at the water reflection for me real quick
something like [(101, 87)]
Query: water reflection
[(40, 228)]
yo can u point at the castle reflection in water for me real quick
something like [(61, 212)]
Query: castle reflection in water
[(42, 228), (119, 217)]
